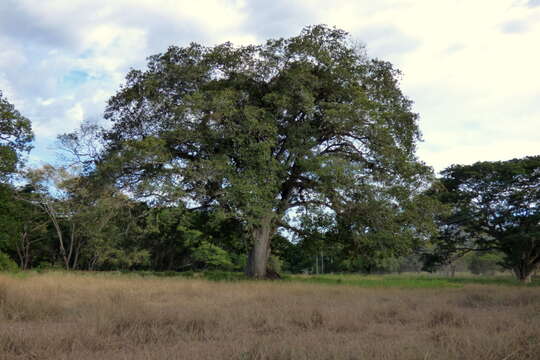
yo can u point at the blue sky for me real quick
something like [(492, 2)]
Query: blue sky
[(471, 67)]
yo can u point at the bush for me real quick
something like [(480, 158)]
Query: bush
[(212, 257), (112, 259), (45, 266), (7, 264), (275, 264)]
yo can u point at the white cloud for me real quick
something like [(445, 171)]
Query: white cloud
[(497, 150), (45, 102), (75, 114)]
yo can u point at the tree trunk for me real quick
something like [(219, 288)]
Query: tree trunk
[(77, 253), (53, 216), (71, 243), (260, 252), (21, 247), (524, 273), (523, 276)]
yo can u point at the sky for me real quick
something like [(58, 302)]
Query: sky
[(472, 68)]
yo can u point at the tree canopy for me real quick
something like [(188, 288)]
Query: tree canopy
[(495, 206), (15, 137), (308, 122)]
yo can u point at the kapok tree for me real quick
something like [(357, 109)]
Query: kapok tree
[(308, 122)]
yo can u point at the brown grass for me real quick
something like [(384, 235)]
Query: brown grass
[(59, 316)]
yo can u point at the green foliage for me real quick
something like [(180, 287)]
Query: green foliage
[(275, 264), (91, 221), (173, 234), (24, 226), (495, 207), (8, 221), (239, 261), (115, 258), (6, 264), (46, 266), (376, 243), (211, 256), (15, 137)]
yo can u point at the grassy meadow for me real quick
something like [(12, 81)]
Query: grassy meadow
[(58, 315)]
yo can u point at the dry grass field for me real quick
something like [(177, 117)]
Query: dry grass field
[(71, 316)]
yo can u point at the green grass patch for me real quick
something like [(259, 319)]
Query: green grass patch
[(211, 275), (406, 281)]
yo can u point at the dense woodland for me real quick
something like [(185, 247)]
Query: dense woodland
[(297, 155)]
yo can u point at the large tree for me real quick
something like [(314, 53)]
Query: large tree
[(15, 137), (495, 207), (308, 122)]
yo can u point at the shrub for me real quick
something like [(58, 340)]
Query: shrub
[(275, 264), (212, 257), (7, 264)]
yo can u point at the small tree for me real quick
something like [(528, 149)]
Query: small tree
[(79, 211), (495, 207)]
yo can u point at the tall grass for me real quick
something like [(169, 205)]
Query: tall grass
[(79, 316)]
